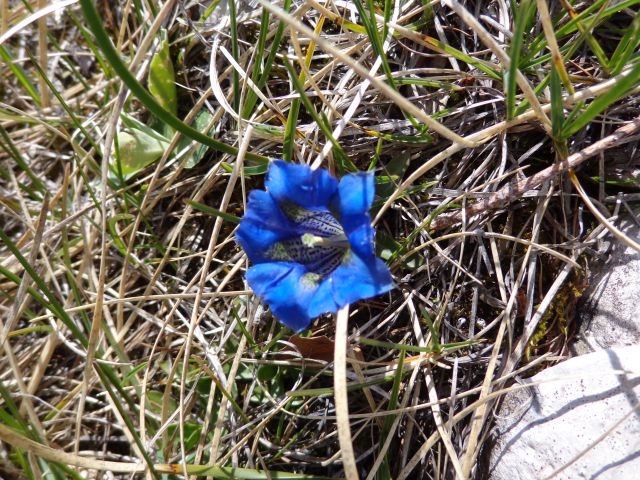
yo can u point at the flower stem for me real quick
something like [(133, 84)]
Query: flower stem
[(341, 398)]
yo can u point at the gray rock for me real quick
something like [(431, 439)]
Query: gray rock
[(586, 420), (609, 315)]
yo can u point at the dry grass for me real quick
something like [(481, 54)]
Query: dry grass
[(130, 340)]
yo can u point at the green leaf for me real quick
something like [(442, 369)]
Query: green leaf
[(162, 79), (115, 235), (137, 150), (436, 348), (290, 130), (395, 170), (132, 123), (385, 470), (342, 160), (191, 434), (264, 65), (389, 249), (368, 18), (250, 171), (155, 400), (134, 371), (203, 118), (267, 372)]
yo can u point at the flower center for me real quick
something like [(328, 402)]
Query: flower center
[(311, 241), (318, 241)]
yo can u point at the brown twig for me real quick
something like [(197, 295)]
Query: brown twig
[(515, 190)]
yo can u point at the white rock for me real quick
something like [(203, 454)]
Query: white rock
[(609, 316), (587, 421)]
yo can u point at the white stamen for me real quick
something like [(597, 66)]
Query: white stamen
[(310, 240)]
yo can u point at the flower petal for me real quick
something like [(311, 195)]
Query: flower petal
[(352, 203), (288, 289), (263, 225), (359, 278), (288, 182), (355, 195), (264, 276), (361, 238), (322, 300)]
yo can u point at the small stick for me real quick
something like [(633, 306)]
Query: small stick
[(43, 55), (514, 191), (4, 16)]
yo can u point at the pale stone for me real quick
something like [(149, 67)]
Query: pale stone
[(587, 419), (609, 315)]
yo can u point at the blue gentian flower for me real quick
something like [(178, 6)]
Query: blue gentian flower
[(310, 240)]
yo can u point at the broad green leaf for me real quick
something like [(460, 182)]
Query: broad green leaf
[(162, 80), (155, 400), (191, 434), (394, 172), (389, 249), (137, 150), (132, 123)]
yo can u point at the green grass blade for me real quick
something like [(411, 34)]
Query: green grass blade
[(107, 380), (95, 25), (441, 47), (594, 45), (19, 74), (53, 304), (385, 472), (586, 16), (248, 473), (235, 53), (104, 65), (627, 47), (557, 106), (270, 61), (290, 129), (74, 119), (213, 212), (523, 17), (11, 416), (368, 18), (106, 373), (7, 145), (322, 122), (256, 74), (603, 102)]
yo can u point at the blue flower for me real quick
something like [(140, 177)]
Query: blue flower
[(311, 242)]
